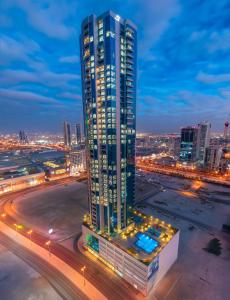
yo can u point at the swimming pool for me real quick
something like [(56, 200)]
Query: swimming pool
[(146, 243)]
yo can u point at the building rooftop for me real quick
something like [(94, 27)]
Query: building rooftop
[(144, 238)]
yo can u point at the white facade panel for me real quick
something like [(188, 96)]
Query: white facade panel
[(143, 277)]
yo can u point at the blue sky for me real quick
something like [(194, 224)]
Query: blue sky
[(183, 62)]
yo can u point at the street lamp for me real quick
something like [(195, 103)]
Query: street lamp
[(50, 231), (30, 233), (48, 244), (11, 183), (16, 227), (83, 271)]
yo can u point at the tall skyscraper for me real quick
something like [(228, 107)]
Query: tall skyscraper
[(188, 148), (23, 137), (78, 132), (111, 230), (226, 125), (67, 134), (108, 62), (203, 140)]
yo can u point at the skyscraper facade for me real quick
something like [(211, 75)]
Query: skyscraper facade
[(67, 134), (203, 140), (113, 227), (108, 64), (78, 132), (23, 137), (188, 148)]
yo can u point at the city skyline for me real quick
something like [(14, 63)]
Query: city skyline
[(136, 205), (183, 58)]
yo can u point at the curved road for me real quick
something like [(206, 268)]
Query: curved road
[(112, 286), (65, 288)]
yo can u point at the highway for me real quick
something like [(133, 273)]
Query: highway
[(189, 174), (111, 285)]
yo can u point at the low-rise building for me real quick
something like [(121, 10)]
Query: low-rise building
[(141, 254), (16, 182), (76, 161)]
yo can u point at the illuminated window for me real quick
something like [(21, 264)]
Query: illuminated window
[(100, 24), (110, 34)]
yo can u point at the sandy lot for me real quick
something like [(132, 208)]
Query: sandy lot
[(62, 208), (197, 275)]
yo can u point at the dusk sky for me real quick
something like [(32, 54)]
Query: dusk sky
[(183, 62)]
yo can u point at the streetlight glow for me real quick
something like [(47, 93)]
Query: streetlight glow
[(48, 244), (83, 271)]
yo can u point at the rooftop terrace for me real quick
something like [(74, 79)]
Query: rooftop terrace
[(144, 238)]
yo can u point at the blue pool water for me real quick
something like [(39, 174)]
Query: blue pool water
[(146, 243)]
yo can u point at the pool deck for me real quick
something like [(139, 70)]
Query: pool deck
[(156, 230)]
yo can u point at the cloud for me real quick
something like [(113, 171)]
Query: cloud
[(67, 95), (212, 41), (219, 41), (5, 21), (44, 77), (212, 78), (183, 58), (156, 18), (69, 59), (46, 17), (13, 50), (33, 98)]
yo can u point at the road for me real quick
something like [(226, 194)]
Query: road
[(65, 288), (111, 285), (189, 174)]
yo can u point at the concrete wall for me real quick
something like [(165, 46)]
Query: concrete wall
[(167, 257)]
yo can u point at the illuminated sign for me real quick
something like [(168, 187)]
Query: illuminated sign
[(117, 18)]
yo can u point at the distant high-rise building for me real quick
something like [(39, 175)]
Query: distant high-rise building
[(225, 161), (23, 137), (212, 159), (203, 140), (67, 134), (174, 145), (108, 61), (78, 132), (188, 147), (226, 126)]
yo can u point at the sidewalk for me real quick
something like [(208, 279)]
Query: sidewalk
[(76, 278)]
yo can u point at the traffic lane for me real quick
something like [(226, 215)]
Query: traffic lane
[(183, 173), (97, 274), (102, 278), (65, 288)]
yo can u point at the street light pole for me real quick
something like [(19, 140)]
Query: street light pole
[(83, 271), (30, 234), (16, 227), (48, 244), (11, 183)]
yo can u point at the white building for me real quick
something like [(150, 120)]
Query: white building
[(131, 254)]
